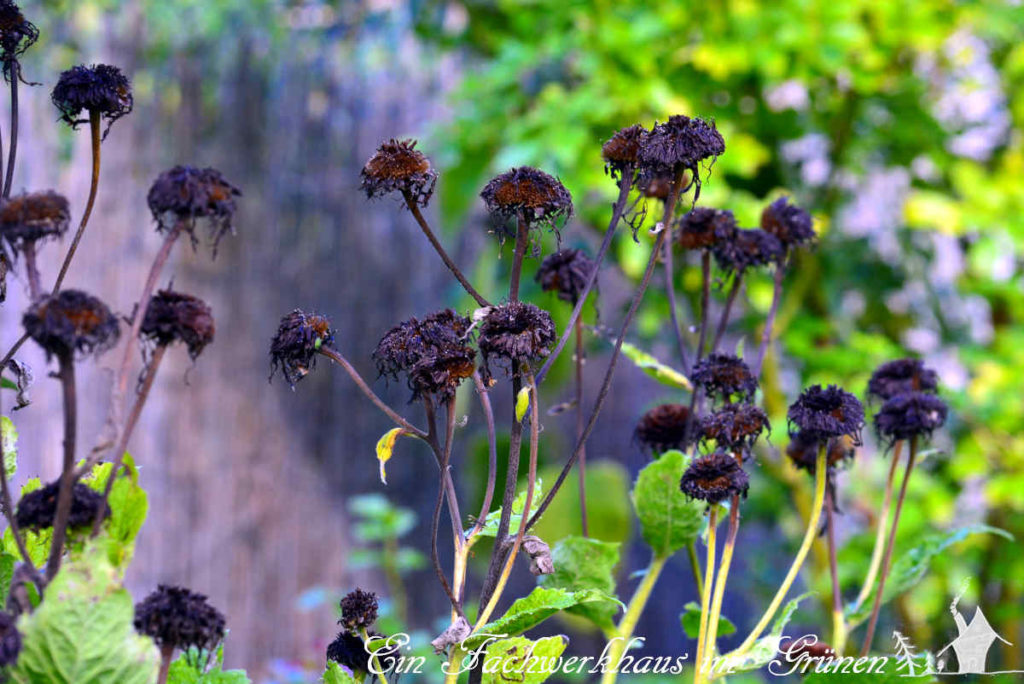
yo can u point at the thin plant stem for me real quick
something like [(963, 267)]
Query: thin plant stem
[(8, 506), (624, 632), (705, 302), (15, 74), (705, 602), (64, 495), (723, 322), (492, 453), (442, 454), (376, 662), (838, 621), (166, 653), (820, 480), (698, 577), (582, 470), (890, 544), (769, 323), (522, 240), (883, 518), (32, 271), (435, 557), (94, 131), (436, 244), (670, 289), (723, 575), (12, 351)]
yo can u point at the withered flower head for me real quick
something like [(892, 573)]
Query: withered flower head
[(724, 375), (900, 376), (803, 451), (703, 228), (33, 216), (397, 166), (71, 322), (747, 248), (515, 332), (680, 143), (178, 317), (714, 478), (17, 34), (347, 649), (734, 426), (178, 618), (789, 223), (37, 509), (538, 197), (622, 150), (826, 412), (295, 346), (664, 427), (910, 414), (183, 194), (565, 272), (100, 89), (433, 353), (358, 610), (10, 640)]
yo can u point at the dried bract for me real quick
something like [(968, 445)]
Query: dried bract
[(735, 426), (680, 143), (789, 223), (724, 376), (900, 376), (910, 414), (358, 610), (703, 228), (433, 353), (622, 150), (744, 249), (34, 216)]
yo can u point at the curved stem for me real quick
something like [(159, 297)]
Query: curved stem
[(12, 351), (723, 575), (890, 544), (15, 72), (723, 322), (492, 454), (64, 495), (883, 518), (624, 633), (582, 470), (705, 602), (376, 661), (432, 238), (94, 131), (769, 323), (435, 557)]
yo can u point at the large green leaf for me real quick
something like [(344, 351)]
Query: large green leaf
[(609, 513), (764, 649), (668, 519), (530, 611), (82, 632), (522, 661), (586, 563), (490, 529), (187, 669), (690, 620), (911, 567), (129, 505), (10, 437)]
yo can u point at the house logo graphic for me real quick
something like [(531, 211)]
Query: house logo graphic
[(972, 644)]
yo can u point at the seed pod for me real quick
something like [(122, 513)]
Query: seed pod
[(566, 273), (789, 223), (347, 649), (517, 332), (33, 217), (358, 610), (622, 150), (910, 414), (743, 249), (703, 228), (735, 427), (900, 376)]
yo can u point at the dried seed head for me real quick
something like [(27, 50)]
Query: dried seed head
[(744, 249), (37, 509), (33, 216), (734, 427), (397, 166), (176, 617), (347, 649), (299, 337), (178, 317), (10, 640), (900, 376), (358, 610), (433, 354), (789, 223), (826, 412), (538, 197), (622, 150), (17, 34), (71, 322), (664, 427), (100, 89), (516, 331), (724, 376), (565, 272), (803, 451), (703, 228), (183, 194), (680, 143), (714, 478), (909, 415)]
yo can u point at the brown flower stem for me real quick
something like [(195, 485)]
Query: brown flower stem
[(883, 518), (492, 453), (12, 351), (582, 471), (126, 433), (8, 508), (618, 211), (670, 289), (64, 496), (887, 560), (522, 239), (705, 302), (94, 130), (166, 653), (445, 472), (723, 322), (435, 521), (32, 270), (838, 621), (15, 69), (769, 322), (432, 238)]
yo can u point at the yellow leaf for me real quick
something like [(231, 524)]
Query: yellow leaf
[(385, 445), (522, 403)]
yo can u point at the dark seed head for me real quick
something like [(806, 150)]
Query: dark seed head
[(566, 273), (34, 216), (71, 322), (299, 337), (703, 228), (538, 197), (724, 376), (789, 223), (17, 34), (714, 478), (664, 427), (734, 427), (101, 89), (900, 376), (178, 618), (622, 150), (178, 317), (10, 640), (347, 649), (680, 143), (516, 331), (397, 166), (183, 194), (744, 249), (433, 353), (358, 610), (803, 451), (909, 415), (826, 412), (37, 509)]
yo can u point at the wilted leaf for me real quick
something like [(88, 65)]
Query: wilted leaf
[(586, 563), (668, 519), (522, 403), (386, 445), (521, 660), (661, 372)]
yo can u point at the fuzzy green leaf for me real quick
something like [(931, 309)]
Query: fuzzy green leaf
[(690, 620), (530, 611), (522, 661), (668, 519), (10, 437), (586, 563)]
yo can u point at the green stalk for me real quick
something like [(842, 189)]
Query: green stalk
[(883, 517), (705, 603), (634, 610)]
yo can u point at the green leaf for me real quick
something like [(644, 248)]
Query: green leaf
[(491, 528), (10, 437), (661, 372), (764, 649), (530, 611), (334, 674), (609, 515), (82, 632), (911, 567), (7, 563), (385, 446), (187, 669), (690, 620), (586, 563), (522, 661), (129, 505), (522, 403), (668, 519), (7, 384)]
